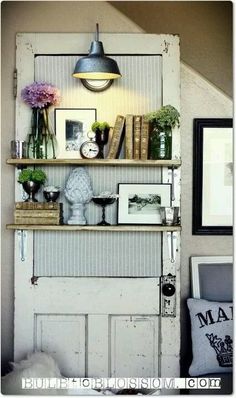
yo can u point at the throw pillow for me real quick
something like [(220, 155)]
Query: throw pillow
[(212, 336)]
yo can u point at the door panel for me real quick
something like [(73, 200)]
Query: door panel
[(133, 93), (134, 346), (82, 255), (64, 337)]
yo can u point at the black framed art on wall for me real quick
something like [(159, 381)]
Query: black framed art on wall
[(212, 177)]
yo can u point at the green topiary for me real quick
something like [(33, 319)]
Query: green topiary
[(160, 141), (164, 119), (36, 175), (101, 126)]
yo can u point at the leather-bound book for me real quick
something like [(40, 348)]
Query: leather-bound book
[(117, 138), (137, 136), (144, 139), (129, 120)]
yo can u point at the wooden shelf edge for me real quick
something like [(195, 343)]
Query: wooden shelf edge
[(87, 228), (95, 162)]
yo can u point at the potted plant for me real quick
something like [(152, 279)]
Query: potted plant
[(101, 130), (31, 181), (162, 121)]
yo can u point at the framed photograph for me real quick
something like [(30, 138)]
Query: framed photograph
[(140, 203), (212, 177), (212, 277), (71, 128)]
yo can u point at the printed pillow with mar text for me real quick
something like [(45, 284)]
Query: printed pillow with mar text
[(212, 336)]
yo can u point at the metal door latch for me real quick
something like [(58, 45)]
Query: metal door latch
[(172, 173), (172, 245), (168, 295), (22, 239)]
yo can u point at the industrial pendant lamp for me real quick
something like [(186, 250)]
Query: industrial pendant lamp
[(96, 71)]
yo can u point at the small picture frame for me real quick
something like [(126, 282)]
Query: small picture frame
[(71, 128), (140, 203)]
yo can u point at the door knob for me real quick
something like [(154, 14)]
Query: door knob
[(168, 289)]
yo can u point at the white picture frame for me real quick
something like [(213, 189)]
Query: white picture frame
[(140, 203), (196, 262), (71, 128)]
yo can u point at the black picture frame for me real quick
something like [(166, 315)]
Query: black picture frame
[(198, 152)]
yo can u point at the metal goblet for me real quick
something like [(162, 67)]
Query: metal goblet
[(51, 196), (103, 202)]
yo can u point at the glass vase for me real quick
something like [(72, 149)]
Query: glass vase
[(41, 142), (43, 147), (160, 144)]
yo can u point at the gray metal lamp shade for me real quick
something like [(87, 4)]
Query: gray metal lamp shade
[(96, 65)]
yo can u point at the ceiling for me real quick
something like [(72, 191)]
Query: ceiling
[(205, 29)]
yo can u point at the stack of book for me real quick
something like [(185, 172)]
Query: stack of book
[(36, 213), (131, 131)]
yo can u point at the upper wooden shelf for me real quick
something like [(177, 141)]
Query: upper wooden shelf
[(95, 162), (89, 228)]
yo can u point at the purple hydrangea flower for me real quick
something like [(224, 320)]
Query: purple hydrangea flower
[(41, 95)]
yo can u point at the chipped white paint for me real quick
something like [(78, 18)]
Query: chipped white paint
[(102, 306), (170, 327)]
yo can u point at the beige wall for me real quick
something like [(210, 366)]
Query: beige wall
[(198, 99), (205, 29)]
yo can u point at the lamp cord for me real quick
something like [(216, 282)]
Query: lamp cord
[(97, 32)]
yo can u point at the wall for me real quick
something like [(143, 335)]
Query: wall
[(199, 99), (205, 29)]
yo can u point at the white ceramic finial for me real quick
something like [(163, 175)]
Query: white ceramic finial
[(78, 191)]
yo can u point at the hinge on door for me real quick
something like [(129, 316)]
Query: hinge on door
[(15, 83), (34, 280)]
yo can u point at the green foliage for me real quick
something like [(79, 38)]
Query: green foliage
[(101, 126), (164, 119), (37, 175)]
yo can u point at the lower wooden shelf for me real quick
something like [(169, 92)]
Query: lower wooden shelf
[(88, 228)]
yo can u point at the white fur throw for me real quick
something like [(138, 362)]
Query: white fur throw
[(38, 364)]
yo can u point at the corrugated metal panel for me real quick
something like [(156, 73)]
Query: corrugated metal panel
[(133, 93), (94, 254), (104, 254)]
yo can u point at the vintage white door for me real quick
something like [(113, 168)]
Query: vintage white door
[(93, 300)]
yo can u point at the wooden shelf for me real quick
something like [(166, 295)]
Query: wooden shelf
[(95, 162), (89, 228)]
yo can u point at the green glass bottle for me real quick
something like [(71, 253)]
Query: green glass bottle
[(160, 144)]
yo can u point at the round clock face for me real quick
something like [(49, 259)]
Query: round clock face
[(89, 150)]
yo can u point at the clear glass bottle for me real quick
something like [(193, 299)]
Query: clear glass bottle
[(41, 142)]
